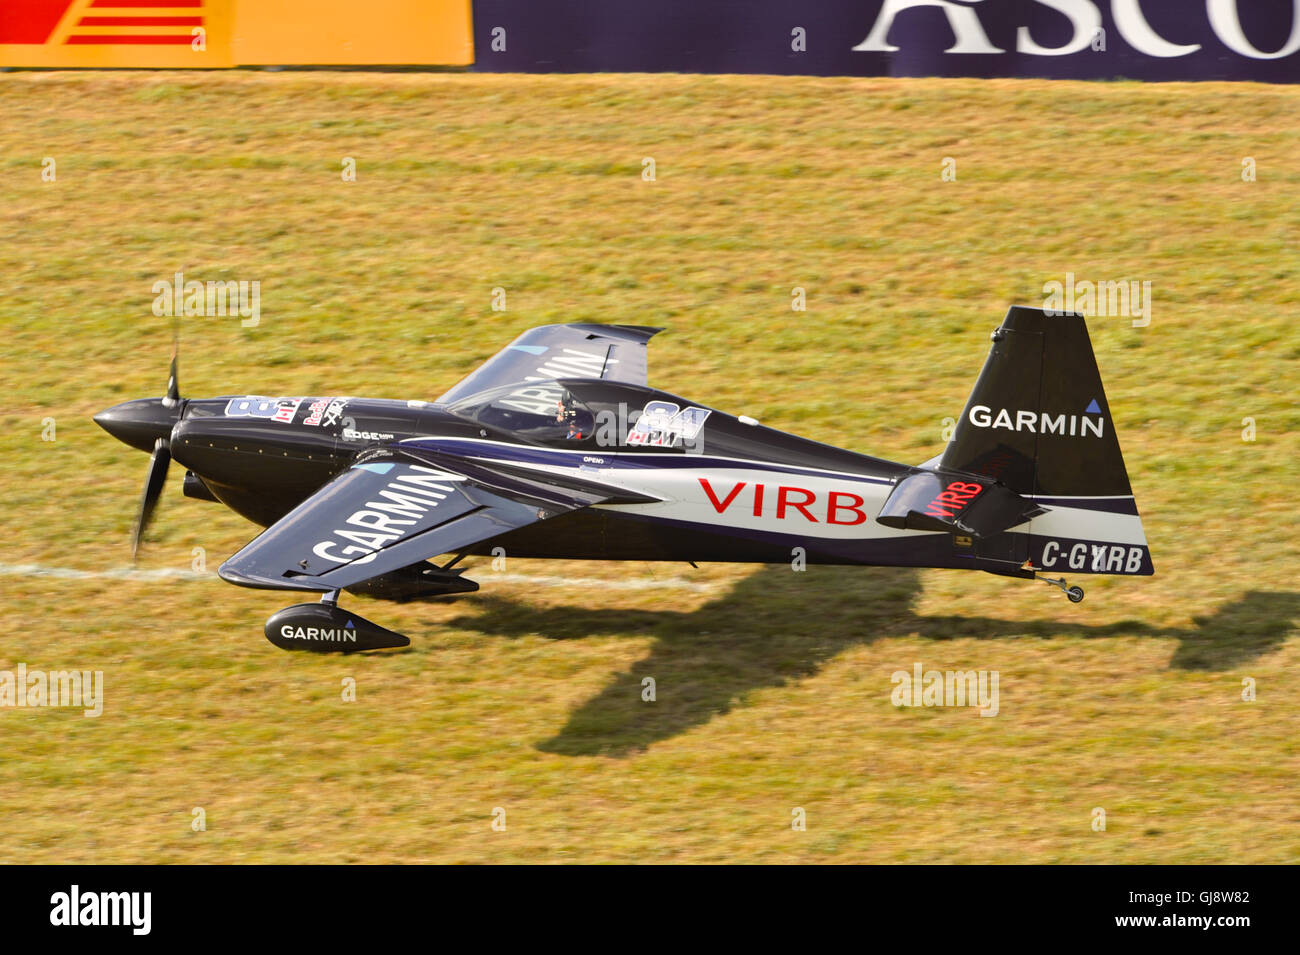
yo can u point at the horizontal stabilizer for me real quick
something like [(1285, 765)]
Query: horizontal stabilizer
[(955, 502)]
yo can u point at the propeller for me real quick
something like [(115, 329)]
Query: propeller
[(173, 380), (153, 485), (162, 457)]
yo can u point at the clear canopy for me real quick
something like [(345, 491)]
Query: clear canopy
[(542, 411)]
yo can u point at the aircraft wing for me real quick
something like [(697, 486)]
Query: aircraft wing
[(392, 509), (580, 350)]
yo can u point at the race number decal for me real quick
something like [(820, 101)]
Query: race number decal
[(662, 425), (255, 406)]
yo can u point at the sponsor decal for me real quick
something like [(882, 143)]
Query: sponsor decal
[(1160, 33), (334, 412), (1088, 424), (953, 499), (344, 634), (662, 424), (1076, 39), (534, 399), (316, 410), (287, 408), (398, 506), (996, 463), (570, 363), (839, 507), (280, 410), (122, 33), (1085, 18), (1094, 558), (352, 434)]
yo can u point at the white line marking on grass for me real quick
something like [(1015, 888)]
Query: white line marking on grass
[(113, 573), (165, 573)]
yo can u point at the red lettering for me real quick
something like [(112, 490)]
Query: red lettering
[(782, 500), (758, 500), (950, 502), (720, 506), (996, 464), (832, 507)]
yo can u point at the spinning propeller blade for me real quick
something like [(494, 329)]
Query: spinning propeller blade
[(162, 456), (153, 486), (173, 379)]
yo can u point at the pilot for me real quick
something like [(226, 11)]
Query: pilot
[(569, 415)]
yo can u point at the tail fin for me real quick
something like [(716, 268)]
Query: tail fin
[(1039, 423)]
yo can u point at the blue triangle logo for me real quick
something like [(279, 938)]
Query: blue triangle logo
[(1092, 408), (348, 625)]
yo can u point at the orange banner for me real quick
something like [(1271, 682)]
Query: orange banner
[(367, 33), (185, 34), (222, 33)]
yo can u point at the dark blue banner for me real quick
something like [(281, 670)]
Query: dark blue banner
[(1068, 39)]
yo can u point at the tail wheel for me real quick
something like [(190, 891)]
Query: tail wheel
[(1075, 594)]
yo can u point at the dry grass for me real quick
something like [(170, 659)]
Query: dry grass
[(773, 688)]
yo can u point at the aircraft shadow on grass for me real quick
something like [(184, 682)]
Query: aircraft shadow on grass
[(776, 626)]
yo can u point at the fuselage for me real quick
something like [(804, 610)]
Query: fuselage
[(739, 492), (682, 482), (556, 448)]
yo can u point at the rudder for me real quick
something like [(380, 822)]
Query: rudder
[(1038, 422)]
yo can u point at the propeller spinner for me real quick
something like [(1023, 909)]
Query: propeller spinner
[(147, 423)]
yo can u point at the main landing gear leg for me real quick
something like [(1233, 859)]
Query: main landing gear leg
[(1074, 593)]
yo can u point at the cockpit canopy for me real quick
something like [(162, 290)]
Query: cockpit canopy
[(601, 415), (605, 414), (541, 411)]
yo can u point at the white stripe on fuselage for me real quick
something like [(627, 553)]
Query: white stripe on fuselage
[(1082, 524), (757, 499), (683, 497), (805, 503)]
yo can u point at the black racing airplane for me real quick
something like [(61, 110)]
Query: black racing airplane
[(557, 447)]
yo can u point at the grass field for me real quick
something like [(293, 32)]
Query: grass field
[(773, 687)]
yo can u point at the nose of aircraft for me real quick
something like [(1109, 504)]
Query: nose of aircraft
[(139, 423)]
